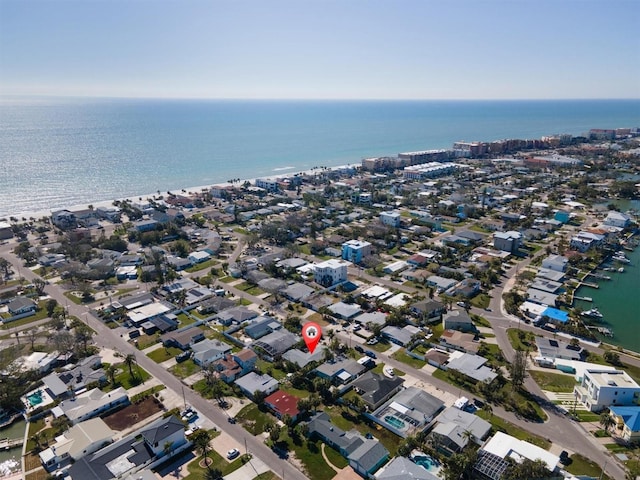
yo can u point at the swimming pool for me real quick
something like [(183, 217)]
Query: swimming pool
[(394, 421), (425, 462), (35, 398)]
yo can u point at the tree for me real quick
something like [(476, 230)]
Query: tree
[(50, 306), (201, 440), (606, 420), (518, 369), (289, 422), (130, 361), (274, 434), (37, 439), (110, 372), (167, 448), (83, 335), (39, 285), (32, 335), (213, 474), (258, 397), (530, 469), (612, 357)]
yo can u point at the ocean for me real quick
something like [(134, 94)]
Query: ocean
[(60, 152)]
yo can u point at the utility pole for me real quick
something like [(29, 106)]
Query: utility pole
[(184, 399)]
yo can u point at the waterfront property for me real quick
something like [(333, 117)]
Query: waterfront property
[(627, 422), (602, 389)]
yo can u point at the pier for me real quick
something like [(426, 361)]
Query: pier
[(584, 299), (7, 443), (598, 275), (588, 284)]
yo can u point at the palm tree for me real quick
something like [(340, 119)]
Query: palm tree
[(167, 448), (606, 420), (213, 474), (201, 440), (110, 371), (130, 361), (37, 439)]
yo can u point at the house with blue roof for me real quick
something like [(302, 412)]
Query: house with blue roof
[(555, 314), (628, 420)]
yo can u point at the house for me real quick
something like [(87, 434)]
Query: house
[(371, 318), (330, 272), (458, 320), (462, 341), (428, 309), (139, 450), (199, 256), (628, 420), (401, 468), (85, 373), (215, 305), (543, 298), (408, 412), (302, 359), (90, 404), (273, 345), (208, 351), (507, 241), (617, 219), (339, 371), (232, 366), (40, 362), (184, 338), (237, 315), (345, 311), (376, 389), (469, 287), (472, 366), (262, 326), (81, 439), (356, 250), (364, 456), (557, 263), (440, 283), (400, 336), (585, 241), (297, 291), (21, 305), (253, 382), (562, 216), (146, 312), (282, 403), (63, 219), (602, 389), (550, 349), (6, 231), (449, 433), (498, 453), (391, 219)]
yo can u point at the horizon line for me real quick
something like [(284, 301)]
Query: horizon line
[(299, 99)]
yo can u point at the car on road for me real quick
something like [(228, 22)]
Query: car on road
[(372, 341), (460, 304), (233, 453)]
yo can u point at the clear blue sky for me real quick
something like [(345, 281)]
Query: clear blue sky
[(387, 49)]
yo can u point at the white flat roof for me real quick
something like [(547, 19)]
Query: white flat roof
[(504, 445), (148, 311)]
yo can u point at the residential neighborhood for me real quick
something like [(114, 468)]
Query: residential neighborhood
[(162, 336)]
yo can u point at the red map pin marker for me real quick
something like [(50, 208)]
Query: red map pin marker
[(311, 333)]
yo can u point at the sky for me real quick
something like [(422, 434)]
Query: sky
[(329, 49)]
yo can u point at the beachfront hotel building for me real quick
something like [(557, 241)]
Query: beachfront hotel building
[(602, 389)]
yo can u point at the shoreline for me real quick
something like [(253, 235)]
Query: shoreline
[(37, 214)]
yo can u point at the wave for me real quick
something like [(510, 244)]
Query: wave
[(279, 169)]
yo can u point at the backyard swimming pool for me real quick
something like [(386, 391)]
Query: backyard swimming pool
[(35, 398)]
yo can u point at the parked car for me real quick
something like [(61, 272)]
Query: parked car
[(233, 453), (370, 354), (372, 341), (358, 348)]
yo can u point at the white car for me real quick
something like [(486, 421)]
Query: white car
[(233, 453)]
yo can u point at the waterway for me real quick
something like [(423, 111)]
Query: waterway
[(618, 299), (15, 430)]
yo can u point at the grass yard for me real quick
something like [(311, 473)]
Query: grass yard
[(268, 368), (160, 355), (184, 369), (402, 356), (380, 347), (584, 416), (267, 476), (295, 392), (124, 379), (197, 472), (521, 339), (583, 466), (504, 426), (481, 301), (335, 458), (252, 419), (185, 319), (553, 382)]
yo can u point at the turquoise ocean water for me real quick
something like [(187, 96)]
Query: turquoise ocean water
[(61, 152)]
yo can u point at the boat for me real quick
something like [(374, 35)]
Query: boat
[(621, 270), (621, 257), (592, 313)]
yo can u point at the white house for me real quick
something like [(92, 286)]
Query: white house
[(90, 404), (80, 440), (391, 219), (507, 241), (330, 272), (617, 219), (199, 256), (601, 389), (557, 263)]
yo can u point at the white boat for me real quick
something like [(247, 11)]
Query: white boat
[(621, 257), (592, 313), (621, 270)]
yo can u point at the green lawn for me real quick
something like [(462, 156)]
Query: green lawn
[(185, 319), (267, 367), (583, 416), (583, 466), (553, 382), (335, 458), (380, 347), (196, 472), (201, 266), (252, 419), (521, 339), (227, 279), (295, 392), (310, 455), (125, 380), (504, 426), (481, 301), (160, 355), (402, 356), (184, 369)]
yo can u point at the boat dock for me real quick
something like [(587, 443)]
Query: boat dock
[(584, 299), (7, 443), (598, 275), (588, 284)]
